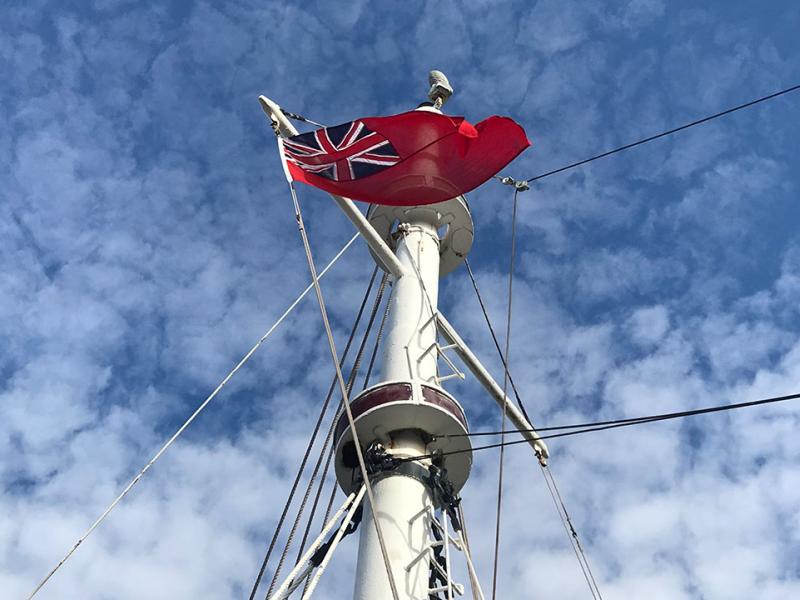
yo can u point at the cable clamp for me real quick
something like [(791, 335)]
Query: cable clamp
[(520, 186), (378, 460), (319, 556), (444, 493)]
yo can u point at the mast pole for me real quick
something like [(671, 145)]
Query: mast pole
[(407, 413), (408, 407), (403, 504)]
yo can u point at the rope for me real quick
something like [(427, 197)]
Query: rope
[(474, 585), (186, 424), (329, 506), (340, 378), (351, 380), (665, 133), (505, 395), (304, 461)]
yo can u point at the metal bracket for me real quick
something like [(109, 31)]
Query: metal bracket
[(490, 385), (440, 352), (520, 186), (308, 570)]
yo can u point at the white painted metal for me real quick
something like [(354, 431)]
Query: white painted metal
[(442, 525), (336, 539), (453, 222), (273, 111), (487, 381), (446, 538), (412, 324), (379, 248), (403, 504), (416, 413), (402, 508), (353, 499)]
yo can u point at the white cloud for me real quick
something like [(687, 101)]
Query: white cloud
[(648, 325), (146, 243)]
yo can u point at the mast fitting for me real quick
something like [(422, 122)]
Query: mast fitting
[(441, 90), (521, 186)]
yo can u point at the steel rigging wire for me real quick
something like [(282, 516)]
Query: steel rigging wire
[(651, 138), (188, 422), (547, 473), (354, 370), (378, 339), (494, 339), (504, 411), (340, 378), (613, 424), (334, 487), (350, 382), (572, 534), (604, 425), (307, 453)]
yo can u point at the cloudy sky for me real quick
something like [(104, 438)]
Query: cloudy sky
[(147, 241)]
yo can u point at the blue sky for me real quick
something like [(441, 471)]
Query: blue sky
[(147, 241)]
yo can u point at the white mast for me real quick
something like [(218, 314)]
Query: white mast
[(403, 503), (404, 500), (408, 413)]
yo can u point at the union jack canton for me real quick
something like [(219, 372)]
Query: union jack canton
[(341, 153)]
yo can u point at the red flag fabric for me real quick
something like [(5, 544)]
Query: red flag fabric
[(417, 157)]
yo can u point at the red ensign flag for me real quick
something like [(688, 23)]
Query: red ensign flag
[(417, 157)]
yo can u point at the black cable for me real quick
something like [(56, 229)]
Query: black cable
[(505, 395), (301, 118), (580, 554), (644, 419), (609, 425), (494, 339), (308, 448), (665, 133)]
